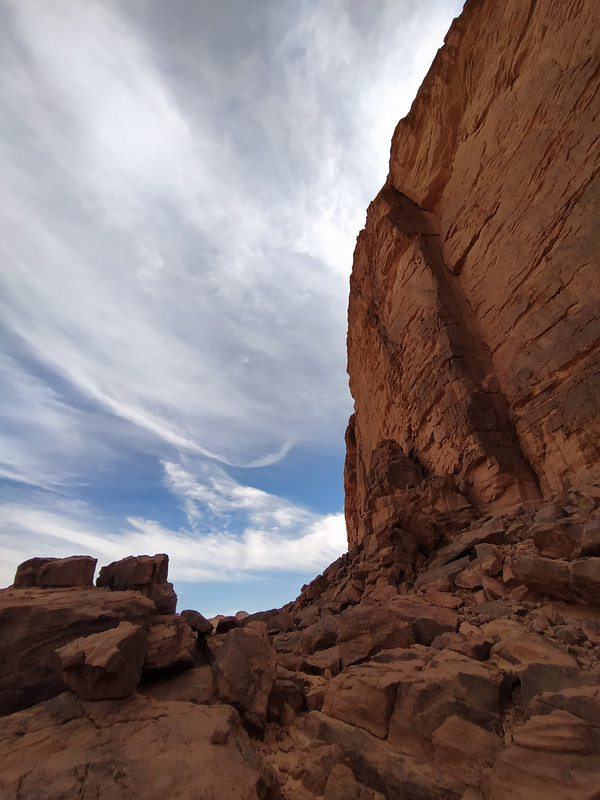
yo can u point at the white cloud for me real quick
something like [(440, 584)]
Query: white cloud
[(205, 486), (310, 545), (178, 248), (182, 189), (43, 440)]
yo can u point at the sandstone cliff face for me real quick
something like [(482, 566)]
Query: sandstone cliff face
[(474, 334)]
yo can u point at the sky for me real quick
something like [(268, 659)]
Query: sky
[(182, 188)]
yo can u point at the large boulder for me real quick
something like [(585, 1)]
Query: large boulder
[(35, 622), (55, 572), (145, 574), (104, 665), (171, 644), (244, 672), (197, 622)]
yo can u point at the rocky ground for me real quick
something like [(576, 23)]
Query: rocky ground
[(472, 672)]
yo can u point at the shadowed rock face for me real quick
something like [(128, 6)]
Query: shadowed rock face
[(145, 574), (473, 333), (55, 572), (52, 605), (454, 652)]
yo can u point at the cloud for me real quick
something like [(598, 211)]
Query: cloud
[(182, 189), (179, 251), (44, 441), (307, 545), (212, 491)]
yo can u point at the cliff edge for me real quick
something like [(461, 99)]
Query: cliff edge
[(473, 326)]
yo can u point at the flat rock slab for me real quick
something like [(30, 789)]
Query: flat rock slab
[(137, 749), (521, 649)]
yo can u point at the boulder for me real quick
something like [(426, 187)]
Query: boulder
[(145, 574), (577, 580), (56, 572), (450, 684), (170, 644), (244, 672), (364, 696), (104, 665), (366, 629), (384, 769), (278, 620), (464, 748), (197, 622), (228, 623), (35, 622)]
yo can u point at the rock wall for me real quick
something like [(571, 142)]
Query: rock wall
[(473, 326)]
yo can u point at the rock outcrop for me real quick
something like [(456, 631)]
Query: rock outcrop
[(454, 652), (105, 665), (134, 748), (37, 618), (145, 574), (474, 338), (55, 572)]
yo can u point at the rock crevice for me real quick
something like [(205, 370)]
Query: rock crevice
[(421, 374)]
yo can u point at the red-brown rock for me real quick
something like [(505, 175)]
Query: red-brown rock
[(35, 622), (131, 749), (170, 644), (55, 572), (244, 672), (197, 622), (145, 574), (472, 341), (105, 665)]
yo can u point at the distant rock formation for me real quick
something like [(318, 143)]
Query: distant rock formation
[(454, 652)]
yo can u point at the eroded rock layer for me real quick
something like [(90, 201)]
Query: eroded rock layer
[(473, 326)]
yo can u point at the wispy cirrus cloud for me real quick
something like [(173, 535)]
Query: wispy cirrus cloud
[(182, 188), (180, 222)]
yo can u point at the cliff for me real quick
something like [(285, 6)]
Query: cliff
[(454, 652), (473, 326)]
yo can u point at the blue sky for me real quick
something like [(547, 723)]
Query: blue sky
[(182, 188)]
